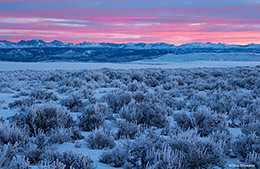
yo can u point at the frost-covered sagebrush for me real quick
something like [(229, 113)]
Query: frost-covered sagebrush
[(68, 159), (142, 118), (44, 118), (100, 138), (92, 117)]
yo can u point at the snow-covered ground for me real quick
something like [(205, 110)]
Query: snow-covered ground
[(191, 57), (133, 65), (139, 109)]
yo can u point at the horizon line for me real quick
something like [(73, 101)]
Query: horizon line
[(76, 43)]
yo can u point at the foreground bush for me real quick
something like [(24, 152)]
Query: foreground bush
[(251, 128), (36, 147), (198, 153), (204, 120), (127, 129), (117, 100), (23, 104), (62, 135), (100, 138), (73, 102), (246, 144), (11, 134), (45, 118), (7, 154), (68, 159), (181, 151), (165, 158), (91, 118), (133, 152), (150, 114), (116, 157), (43, 94), (253, 158)]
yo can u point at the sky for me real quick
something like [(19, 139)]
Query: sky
[(123, 21)]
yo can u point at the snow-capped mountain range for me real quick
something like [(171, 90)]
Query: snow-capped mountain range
[(38, 50), (38, 43)]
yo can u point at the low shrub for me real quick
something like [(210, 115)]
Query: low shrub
[(45, 117), (116, 157), (73, 102), (235, 115), (149, 150), (69, 159), (246, 144), (62, 135), (7, 154), (251, 128), (23, 163), (43, 94), (36, 147), (253, 158), (117, 100), (197, 153), (100, 138), (127, 129), (10, 133), (150, 114), (205, 120), (22, 104), (165, 158), (91, 118)]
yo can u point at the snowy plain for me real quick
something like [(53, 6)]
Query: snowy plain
[(208, 83), (133, 65)]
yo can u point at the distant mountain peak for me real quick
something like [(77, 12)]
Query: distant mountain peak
[(38, 43)]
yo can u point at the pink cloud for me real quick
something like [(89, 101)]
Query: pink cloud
[(171, 25)]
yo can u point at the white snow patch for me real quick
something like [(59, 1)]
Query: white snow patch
[(240, 57), (5, 113), (235, 131)]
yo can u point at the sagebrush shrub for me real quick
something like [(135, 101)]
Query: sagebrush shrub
[(34, 149), (251, 128), (142, 145), (253, 158), (44, 117), (205, 120), (91, 118), (43, 94), (223, 137), (235, 115), (69, 159), (23, 104), (7, 154), (73, 102), (151, 114), (165, 158), (62, 135), (218, 100), (183, 120), (198, 153), (117, 100), (246, 144), (127, 129), (18, 163), (10, 133), (134, 152), (116, 157), (100, 138), (149, 150)]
